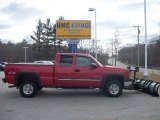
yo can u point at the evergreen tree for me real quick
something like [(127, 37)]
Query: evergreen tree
[(48, 38), (37, 38), (59, 42)]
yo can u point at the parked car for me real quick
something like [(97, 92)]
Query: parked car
[(43, 62), (2, 65)]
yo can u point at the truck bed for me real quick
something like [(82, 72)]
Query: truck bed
[(45, 71)]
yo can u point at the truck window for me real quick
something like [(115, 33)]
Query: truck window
[(83, 61), (66, 60)]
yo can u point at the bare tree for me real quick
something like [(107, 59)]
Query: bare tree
[(116, 44)]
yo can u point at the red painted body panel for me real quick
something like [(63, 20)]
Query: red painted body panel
[(64, 76), (46, 72), (87, 77)]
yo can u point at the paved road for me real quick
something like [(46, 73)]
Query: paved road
[(52, 104)]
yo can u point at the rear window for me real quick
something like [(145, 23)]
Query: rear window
[(66, 60)]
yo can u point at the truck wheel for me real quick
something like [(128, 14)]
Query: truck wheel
[(28, 89), (40, 88), (113, 88)]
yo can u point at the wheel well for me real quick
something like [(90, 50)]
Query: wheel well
[(111, 77), (21, 77)]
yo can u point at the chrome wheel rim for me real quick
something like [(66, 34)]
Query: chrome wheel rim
[(114, 89), (28, 89)]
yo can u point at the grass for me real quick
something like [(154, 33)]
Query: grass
[(152, 76)]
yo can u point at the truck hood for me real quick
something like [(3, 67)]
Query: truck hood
[(115, 67)]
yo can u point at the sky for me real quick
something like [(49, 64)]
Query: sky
[(18, 18)]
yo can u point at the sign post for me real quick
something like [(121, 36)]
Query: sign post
[(73, 45), (73, 48)]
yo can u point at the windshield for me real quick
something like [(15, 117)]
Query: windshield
[(96, 61)]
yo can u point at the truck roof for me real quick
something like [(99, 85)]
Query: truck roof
[(81, 54), (74, 54)]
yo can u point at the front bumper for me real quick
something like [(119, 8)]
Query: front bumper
[(128, 83), (127, 80)]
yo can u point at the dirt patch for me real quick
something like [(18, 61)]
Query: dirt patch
[(152, 76)]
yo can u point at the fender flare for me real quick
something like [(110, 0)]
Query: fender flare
[(113, 75), (20, 75)]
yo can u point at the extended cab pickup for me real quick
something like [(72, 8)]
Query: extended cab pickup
[(71, 70)]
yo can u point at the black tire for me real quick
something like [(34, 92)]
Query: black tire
[(113, 88), (40, 88), (28, 89)]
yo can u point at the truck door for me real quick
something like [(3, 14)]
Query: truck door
[(64, 71), (85, 74)]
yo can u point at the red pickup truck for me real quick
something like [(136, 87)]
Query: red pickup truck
[(71, 70)]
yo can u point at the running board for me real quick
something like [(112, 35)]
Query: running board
[(11, 86)]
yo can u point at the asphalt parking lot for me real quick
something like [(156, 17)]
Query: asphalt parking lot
[(52, 104)]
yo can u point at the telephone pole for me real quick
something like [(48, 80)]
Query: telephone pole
[(138, 42), (25, 54)]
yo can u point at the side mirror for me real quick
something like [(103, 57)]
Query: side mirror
[(94, 65)]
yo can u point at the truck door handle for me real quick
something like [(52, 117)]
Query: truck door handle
[(77, 70)]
